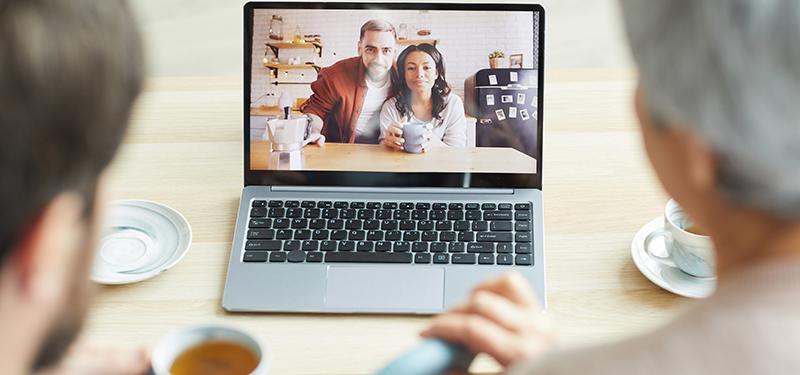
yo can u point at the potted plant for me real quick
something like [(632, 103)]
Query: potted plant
[(497, 59)]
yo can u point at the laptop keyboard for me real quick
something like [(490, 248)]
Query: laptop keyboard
[(389, 232)]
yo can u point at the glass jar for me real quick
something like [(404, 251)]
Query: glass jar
[(402, 33), (276, 28), (424, 27)]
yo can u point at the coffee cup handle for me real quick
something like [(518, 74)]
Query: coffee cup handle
[(661, 232)]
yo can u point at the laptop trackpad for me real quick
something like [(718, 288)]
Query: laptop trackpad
[(406, 288)]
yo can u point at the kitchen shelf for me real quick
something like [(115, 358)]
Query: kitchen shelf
[(406, 42), (273, 67), (290, 83), (276, 46)]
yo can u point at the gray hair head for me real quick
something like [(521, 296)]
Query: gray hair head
[(730, 70)]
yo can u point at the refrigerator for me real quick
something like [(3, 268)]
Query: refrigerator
[(505, 103)]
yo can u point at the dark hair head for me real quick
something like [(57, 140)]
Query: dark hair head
[(440, 88), (70, 70)]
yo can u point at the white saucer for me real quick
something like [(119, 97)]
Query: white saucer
[(140, 239), (669, 278)]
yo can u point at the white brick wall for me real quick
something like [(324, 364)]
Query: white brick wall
[(465, 40)]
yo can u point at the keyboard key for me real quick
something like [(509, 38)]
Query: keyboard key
[(494, 237), (338, 234), (463, 258), (366, 214), (357, 235), (383, 246), (441, 258), (262, 245), (296, 256), (408, 225), (472, 206), (352, 224), (393, 235), (347, 246), (496, 215), (294, 213), (419, 215), (390, 224), (365, 246), (522, 215), (480, 226), (523, 260), (411, 236), (320, 234), (402, 247), (316, 224), (480, 247), (383, 214), (406, 206), (324, 204), (455, 215), (488, 206), (438, 215), (283, 234), (259, 223), (291, 204), (338, 257), (314, 257), (422, 258), (258, 212), (503, 248), (302, 234), (504, 206), (327, 245), (260, 234), (310, 245), (340, 204), (505, 259), (439, 206), (419, 247), (299, 223), (474, 215), (500, 226), (375, 235), (348, 213), (455, 206), (255, 256), (275, 212), (486, 259), (291, 245), (312, 213), (259, 203), (281, 223), (357, 205), (461, 225), (336, 224), (444, 225), (523, 248), (466, 236), (447, 236), (275, 203), (277, 256), (430, 235), (438, 247), (372, 224), (523, 237), (522, 206), (308, 204), (456, 247), (374, 205), (425, 225), (330, 213), (389, 205)]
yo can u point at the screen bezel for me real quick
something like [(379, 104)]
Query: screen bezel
[(349, 178)]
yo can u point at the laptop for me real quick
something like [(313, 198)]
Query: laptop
[(361, 225)]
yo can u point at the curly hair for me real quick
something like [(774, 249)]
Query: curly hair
[(440, 88)]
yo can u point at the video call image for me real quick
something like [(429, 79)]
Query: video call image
[(394, 91)]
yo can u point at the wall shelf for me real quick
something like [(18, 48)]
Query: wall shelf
[(277, 46), (406, 42)]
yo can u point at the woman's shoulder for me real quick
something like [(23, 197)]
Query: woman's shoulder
[(454, 100), (389, 104)]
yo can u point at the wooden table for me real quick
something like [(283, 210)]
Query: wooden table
[(379, 158), (185, 149)]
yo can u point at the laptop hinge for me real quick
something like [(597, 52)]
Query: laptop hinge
[(393, 190)]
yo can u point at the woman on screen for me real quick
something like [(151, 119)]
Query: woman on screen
[(421, 94)]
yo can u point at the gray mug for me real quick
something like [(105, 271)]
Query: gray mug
[(414, 136)]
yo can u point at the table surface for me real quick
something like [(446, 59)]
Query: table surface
[(379, 158), (184, 149)]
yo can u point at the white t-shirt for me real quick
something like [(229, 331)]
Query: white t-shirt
[(369, 118)]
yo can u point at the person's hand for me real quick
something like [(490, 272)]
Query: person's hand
[(315, 131), (84, 358), (394, 137), (502, 319)]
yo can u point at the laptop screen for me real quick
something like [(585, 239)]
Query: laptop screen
[(453, 90)]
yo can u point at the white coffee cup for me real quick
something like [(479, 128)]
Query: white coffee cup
[(179, 341), (692, 253)]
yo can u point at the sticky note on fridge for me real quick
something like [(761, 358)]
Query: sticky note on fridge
[(520, 98), (490, 99), (500, 115), (492, 79), (534, 103), (512, 76), (512, 112), (524, 113), (507, 98)]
